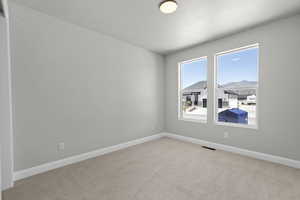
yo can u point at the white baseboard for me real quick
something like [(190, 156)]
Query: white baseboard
[(74, 159), (253, 154), (18, 175)]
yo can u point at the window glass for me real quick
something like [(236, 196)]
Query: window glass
[(193, 90), (236, 86)]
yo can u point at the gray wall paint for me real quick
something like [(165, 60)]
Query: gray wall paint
[(5, 109), (90, 91), (279, 127), (76, 86)]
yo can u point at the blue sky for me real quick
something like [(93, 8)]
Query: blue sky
[(238, 66), (232, 67), (193, 72)]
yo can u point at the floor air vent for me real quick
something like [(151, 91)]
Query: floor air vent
[(208, 148)]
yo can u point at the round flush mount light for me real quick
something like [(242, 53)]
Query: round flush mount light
[(168, 6)]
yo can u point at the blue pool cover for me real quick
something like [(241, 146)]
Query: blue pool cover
[(234, 115)]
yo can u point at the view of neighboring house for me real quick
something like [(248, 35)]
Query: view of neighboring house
[(241, 95), (242, 88), (196, 94)]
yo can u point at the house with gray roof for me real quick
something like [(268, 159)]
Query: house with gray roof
[(196, 94)]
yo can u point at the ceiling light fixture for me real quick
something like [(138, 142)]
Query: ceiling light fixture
[(168, 6)]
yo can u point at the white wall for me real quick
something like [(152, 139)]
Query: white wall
[(5, 109), (279, 91), (77, 86)]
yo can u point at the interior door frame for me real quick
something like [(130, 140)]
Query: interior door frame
[(6, 157)]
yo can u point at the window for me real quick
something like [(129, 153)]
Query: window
[(236, 86), (193, 90)]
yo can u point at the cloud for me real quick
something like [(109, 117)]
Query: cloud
[(236, 59)]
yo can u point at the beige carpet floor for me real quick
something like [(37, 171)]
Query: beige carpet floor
[(164, 169)]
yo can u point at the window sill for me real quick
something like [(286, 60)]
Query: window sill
[(193, 120), (236, 125)]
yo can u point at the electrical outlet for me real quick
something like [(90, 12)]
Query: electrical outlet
[(61, 146), (226, 134)]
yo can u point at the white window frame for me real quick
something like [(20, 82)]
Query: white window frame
[(256, 45), (179, 84)]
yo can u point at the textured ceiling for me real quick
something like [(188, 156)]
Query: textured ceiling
[(139, 21)]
